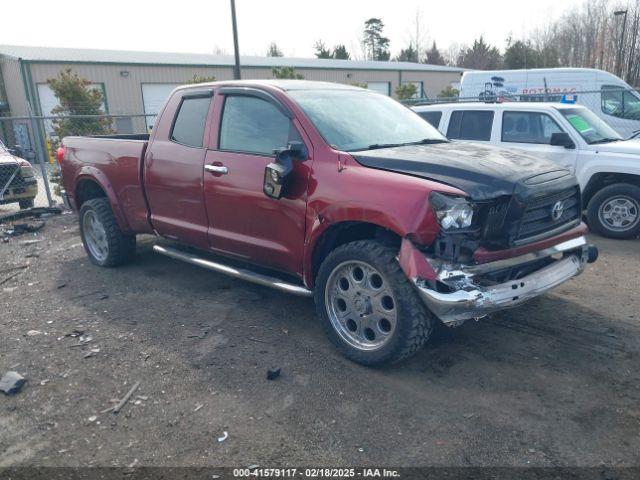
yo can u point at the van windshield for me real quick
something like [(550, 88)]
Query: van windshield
[(589, 126), (353, 120)]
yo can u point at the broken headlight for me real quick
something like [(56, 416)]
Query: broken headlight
[(452, 212)]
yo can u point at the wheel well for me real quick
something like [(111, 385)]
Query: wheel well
[(600, 180), (88, 190), (347, 232)]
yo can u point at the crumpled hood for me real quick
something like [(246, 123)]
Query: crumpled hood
[(631, 147), (483, 172)]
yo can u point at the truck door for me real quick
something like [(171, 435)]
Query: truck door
[(532, 132), (243, 221), (174, 164)]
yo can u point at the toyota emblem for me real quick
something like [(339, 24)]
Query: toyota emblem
[(557, 210)]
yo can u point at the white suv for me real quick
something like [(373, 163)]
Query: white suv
[(606, 165)]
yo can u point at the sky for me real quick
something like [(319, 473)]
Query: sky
[(294, 25)]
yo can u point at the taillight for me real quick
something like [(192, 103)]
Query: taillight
[(60, 154)]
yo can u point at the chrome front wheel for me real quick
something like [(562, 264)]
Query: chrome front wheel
[(361, 305)]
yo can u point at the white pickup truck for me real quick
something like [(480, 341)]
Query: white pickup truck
[(606, 165)]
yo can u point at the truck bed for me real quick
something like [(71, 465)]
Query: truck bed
[(118, 160)]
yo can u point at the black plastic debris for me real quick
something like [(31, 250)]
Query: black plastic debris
[(273, 373), (11, 383), (36, 212)]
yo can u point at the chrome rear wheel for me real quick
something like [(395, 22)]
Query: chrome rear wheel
[(95, 236)]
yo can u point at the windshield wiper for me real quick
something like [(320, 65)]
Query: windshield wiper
[(634, 134), (428, 141), (377, 146), (424, 141), (605, 140)]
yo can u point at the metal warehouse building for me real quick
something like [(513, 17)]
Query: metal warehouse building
[(138, 82)]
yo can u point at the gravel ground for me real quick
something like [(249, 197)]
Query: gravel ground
[(554, 382)]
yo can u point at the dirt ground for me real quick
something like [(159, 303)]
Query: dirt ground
[(554, 382)]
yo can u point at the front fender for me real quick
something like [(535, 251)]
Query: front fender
[(606, 163), (356, 212)]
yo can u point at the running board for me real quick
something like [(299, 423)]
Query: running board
[(240, 273)]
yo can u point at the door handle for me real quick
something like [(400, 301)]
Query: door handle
[(221, 169)]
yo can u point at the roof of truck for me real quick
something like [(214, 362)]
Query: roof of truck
[(282, 84)]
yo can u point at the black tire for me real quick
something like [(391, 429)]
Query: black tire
[(120, 248), (414, 322), (26, 203), (600, 200)]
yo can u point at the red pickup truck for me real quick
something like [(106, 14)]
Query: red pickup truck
[(334, 192)]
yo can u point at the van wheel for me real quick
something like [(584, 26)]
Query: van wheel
[(103, 240), (614, 211), (368, 307)]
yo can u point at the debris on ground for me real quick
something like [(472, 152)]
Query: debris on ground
[(273, 373), (33, 333), (82, 341), (17, 267), (224, 436), (126, 398), (78, 331), (30, 242), (198, 407), (13, 275), (11, 383), (36, 212)]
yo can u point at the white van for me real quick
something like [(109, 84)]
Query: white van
[(603, 93), (607, 167)]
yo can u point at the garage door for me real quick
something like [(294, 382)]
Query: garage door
[(48, 102), (153, 97), (380, 87)]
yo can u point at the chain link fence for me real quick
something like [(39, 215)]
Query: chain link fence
[(619, 107), (34, 139)]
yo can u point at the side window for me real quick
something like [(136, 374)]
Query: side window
[(253, 125), (528, 127), (619, 102), (188, 127), (432, 116), (470, 125)]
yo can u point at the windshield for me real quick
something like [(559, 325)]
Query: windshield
[(352, 120), (589, 126)]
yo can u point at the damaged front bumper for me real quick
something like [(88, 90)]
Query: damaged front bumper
[(463, 292)]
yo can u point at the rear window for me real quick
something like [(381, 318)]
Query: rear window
[(432, 116), (188, 128), (470, 125)]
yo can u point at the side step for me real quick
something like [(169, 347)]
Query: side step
[(240, 273)]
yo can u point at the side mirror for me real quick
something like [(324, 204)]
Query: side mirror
[(562, 139), (277, 174)]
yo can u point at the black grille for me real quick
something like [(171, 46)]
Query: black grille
[(539, 219)]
